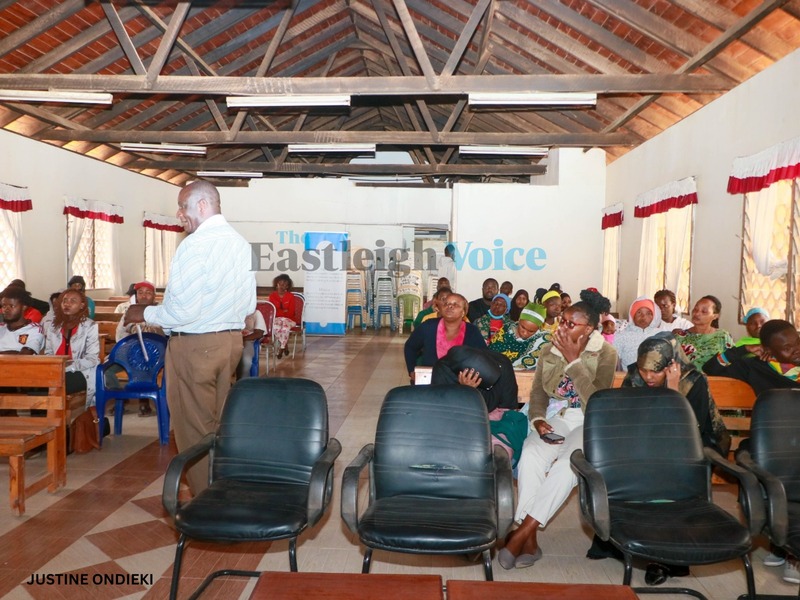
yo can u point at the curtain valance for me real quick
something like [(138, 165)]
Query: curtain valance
[(162, 222), (612, 216), (15, 198), (754, 173), (93, 209), (675, 194)]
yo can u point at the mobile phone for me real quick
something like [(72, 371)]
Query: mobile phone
[(552, 438)]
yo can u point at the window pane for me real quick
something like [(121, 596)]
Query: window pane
[(83, 263), (103, 275), (8, 269)]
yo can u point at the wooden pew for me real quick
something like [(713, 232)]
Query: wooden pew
[(735, 401), (18, 434), (525, 382), (104, 315)]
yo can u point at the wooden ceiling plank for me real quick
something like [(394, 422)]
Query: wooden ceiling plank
[(168, 41), (710, 51), (487, 30), (39, 25), (413, 39), (211, 103), (118, 27), (160, 24), (466, 35), (46, 116)]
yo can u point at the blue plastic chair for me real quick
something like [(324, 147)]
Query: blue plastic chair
[(142, 380)]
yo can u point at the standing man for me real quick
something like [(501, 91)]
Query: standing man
[(211, 289), (447, 266)]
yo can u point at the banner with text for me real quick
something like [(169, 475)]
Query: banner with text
[(326, 290)]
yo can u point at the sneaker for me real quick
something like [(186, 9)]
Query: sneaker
[(791, 572), (774, 560)]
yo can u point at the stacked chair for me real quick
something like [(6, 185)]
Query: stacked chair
[(409, 298), (356, 299), (384, 299)]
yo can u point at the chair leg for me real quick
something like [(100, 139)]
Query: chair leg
[(751, 583), (293, 555), (487, 565), (626, 580), (367, 561), (176, 568)]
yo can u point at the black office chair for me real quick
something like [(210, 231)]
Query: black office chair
[(436, 486), (645, 484), (270, 472), (773, 455)]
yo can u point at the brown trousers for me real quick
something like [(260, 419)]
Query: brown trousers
[(199, 370)]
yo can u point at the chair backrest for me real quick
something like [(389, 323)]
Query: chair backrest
[(128, 354), (775, 437), (734, 400), (271, 430), (267, 310), (646, 444), (299, 307), (433, 441)]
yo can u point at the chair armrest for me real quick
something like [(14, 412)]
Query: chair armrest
[(172, 479), (593, 495), (350, 486), (320, 486), (504, 490), (776, 504), (750, 495)]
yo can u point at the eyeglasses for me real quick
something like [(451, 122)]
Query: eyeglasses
[(571, 324)]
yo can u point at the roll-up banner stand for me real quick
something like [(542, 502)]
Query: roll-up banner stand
[(325, 287)]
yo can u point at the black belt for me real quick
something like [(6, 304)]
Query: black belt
[(180, 333)]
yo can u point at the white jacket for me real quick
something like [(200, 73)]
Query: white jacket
[(85, 346)]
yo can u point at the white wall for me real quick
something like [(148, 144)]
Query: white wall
[(51, 173), (755, 115), (562, 219)]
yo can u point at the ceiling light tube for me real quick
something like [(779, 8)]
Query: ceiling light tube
[(533, 99), (163, 148), (354, 148), (242, 174), (56, 96), (287, 100), (504, 150)]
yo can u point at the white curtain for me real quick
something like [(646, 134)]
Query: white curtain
[(13, 224), (677, 245), (650, 272), (116, 274), (762, 221), (163, 245), (76, 228), (611, 240)]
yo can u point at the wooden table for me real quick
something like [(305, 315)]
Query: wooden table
[(519, 590), (351, 586)]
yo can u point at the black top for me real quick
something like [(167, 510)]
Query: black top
[(477, 308), (750, 369)]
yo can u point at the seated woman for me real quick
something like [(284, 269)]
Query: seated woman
[(670, 320), (703, 339), (72, 333), (754, 320), (518, 302), (284, 302), (552, 302), (661, 363), (644, 321), (578, 362), (497, 317), (522, 342), (433, 339)]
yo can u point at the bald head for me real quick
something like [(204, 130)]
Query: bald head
[(197, 202)]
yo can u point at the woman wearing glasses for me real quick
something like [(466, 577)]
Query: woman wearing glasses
[(578, 362)]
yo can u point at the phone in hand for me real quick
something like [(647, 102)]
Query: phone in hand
[(552, 438)]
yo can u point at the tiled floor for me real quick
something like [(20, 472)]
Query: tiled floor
[(108, 524)]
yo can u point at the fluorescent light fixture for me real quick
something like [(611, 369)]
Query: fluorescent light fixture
[(347, 148), (504, 150), (533, 99), (163, 148), (56, 96), (242, 174), (286, 100)]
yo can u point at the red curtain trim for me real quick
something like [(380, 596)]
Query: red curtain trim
[(641, 212), (754, 184), (154, 225), (612, 220), (16, 205), (88, 214)]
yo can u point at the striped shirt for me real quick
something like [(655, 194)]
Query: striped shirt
[(211, 285)]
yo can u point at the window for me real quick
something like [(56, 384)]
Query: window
[(770, 274), (14, 200), (8, 251), (665, 255), (159, 248), (611, 224), (93, 255)]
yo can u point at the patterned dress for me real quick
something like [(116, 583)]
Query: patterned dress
[(701, 347), (523, 354)]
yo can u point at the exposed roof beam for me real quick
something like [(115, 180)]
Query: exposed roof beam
[(414, 40), (662, 83), (124, 39), (466, 35), (39, 25), (409, 138), (344, 168), (168, 41)]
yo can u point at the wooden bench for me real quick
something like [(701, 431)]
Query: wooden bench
[(525, 383), (19, 435), (105, 315), (734, 401)]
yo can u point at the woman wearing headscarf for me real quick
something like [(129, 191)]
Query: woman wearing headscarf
[(644, 321), (754, 320), (522, 342), (497, 317), (661, 363), (520, 300)]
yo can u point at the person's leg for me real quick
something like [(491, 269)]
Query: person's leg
[(243, 368)]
